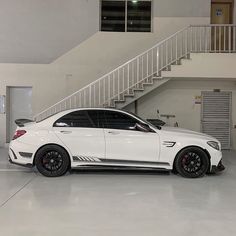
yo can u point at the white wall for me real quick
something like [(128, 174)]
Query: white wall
[(177, 97), (36, 31), (181, 8)]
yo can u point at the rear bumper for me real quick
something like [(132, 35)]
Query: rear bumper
[(220, 167), (19, 164), (14, 157)]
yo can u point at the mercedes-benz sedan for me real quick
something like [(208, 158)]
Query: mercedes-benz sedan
[(111, 138)]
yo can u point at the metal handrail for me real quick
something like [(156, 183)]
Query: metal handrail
[(140, 69)]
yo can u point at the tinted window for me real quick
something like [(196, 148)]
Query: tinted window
[(113, 16), (86, 119), (117, 120), (138, 16)]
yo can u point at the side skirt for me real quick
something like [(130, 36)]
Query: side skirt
[(121, 164)]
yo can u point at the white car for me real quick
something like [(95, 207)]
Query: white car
[(111, 138)]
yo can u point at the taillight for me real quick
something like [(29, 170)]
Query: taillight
[(18, 133)]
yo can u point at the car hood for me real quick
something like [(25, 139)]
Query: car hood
[(185, 132)]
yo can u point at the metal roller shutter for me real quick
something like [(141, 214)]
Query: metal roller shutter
[(216, 116)]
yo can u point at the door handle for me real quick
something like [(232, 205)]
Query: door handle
[(66, 132), (113, 132)]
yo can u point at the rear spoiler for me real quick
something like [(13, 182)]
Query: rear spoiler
[(22, 122)]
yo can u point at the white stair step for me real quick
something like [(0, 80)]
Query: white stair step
[(129, 95), (147, 83), (138, 89)]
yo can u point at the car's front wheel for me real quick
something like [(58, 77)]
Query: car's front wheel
[(192, 162), (52, 161)]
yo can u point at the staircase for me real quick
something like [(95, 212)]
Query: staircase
[(143, 73)]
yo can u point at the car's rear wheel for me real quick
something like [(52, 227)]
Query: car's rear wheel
[(192, 162), (52, 161)]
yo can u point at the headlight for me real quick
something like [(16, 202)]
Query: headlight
[(214, 145)]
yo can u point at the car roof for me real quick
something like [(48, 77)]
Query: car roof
[(62, 113), (90, 108)]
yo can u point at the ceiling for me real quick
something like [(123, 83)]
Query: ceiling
[(39, 31)]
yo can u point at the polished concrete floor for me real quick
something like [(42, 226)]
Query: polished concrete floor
[(107, 203)]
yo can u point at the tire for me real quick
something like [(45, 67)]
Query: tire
[(52, 161), (192, 162)]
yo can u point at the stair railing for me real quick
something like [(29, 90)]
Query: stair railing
[(142, 68)]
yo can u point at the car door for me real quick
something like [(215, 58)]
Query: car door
[(80, 132), (125, 142)]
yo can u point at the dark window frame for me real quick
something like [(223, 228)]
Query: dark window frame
[(94, 125), (126, 17)]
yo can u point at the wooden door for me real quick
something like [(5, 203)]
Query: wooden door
[(221, 13)]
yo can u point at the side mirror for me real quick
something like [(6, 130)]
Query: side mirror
[(142, 127)]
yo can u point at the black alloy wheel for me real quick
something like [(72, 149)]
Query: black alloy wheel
[(192, 162), (52, 161)]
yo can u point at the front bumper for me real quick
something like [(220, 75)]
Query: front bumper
[(220, 167)]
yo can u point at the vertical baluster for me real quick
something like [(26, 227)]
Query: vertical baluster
[(166, 49), (99, 92), (215, 28), (176, 47), (186, 43), (220, 34), (80, 99), (87, 97), (210, 39), (171, 50), (196, 42), (158, 60), (90, 96), (109, 89), (229, 38), (138, 75), (114, 83), (160, 57), (128, 76), (152, 62), (118, 84), (234, 38), (147, 66), (84, 98), (74, 102), (142, 68), (200, 39), (94, 95), (191, 39), (123, 90), (224, 38), (104, 90)]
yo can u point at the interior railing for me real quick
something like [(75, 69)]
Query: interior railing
[(149, 64)]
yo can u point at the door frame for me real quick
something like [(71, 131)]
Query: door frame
[(8, 103)]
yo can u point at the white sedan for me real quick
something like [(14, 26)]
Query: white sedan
[(111, 138)]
